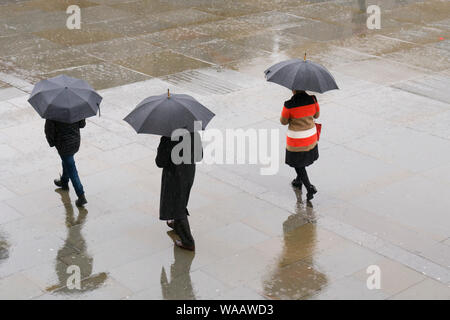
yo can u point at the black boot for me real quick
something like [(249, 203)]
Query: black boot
[(296, 183), (81, 201), (170, 223), (311, 192), (60, 184), (183, 230)]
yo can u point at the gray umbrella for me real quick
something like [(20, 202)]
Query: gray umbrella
[(163, 114), (65, 99), (299, 74)]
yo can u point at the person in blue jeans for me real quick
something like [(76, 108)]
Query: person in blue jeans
[(67, 139)]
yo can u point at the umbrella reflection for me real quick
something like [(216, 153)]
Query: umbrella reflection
[(73, 255), (292, 278), (180, 285)]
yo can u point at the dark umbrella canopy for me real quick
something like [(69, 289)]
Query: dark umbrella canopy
[(163, 114), (299, 74), (65, 99)]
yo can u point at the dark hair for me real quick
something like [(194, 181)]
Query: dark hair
[(299, 91)]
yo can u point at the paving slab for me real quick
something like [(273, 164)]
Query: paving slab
[(435, 291), (58, 5), (101, 75), (9, 93), (418, 34), (130, 27), (381, 71), (374, 44), (270, 40), (422, 12), (424, 57), (18, 288), (115, 49), (162, 63), (25, 44), (432, 87), (233, 8)]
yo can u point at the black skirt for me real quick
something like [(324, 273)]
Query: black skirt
[(302, 158)]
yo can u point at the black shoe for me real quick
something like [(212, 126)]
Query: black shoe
[(60, 184), (296, 184), (311, 192), (81, 201), (183, 230)]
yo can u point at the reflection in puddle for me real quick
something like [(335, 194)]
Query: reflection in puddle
[(180, 285), (74, 253), (359, 18), (293, 279), (4, 249)]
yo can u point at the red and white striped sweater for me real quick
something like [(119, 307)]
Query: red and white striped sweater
[(299, 113)]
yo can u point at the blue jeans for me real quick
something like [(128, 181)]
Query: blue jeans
[(70, 172)]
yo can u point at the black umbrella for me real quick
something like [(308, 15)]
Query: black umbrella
[(65, 99), (299, 74), (163, 114)]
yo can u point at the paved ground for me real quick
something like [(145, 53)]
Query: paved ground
[(383, 174)]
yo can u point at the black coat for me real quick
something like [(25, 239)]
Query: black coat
[(64, 136), (177, 180)]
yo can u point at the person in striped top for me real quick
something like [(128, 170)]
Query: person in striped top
[(301, 142)]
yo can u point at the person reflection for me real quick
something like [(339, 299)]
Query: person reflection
[(4, 249), (359, 18), (74, 253), (292, 277), (180, 285)]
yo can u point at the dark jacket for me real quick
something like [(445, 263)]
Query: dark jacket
[(64, 136), (176, 180)]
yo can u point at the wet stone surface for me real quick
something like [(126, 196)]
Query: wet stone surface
[(383, 175)]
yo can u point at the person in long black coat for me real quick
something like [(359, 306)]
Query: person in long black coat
[(67, 139), (176, 184)]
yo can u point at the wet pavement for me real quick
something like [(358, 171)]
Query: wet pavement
[(383, 175)]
